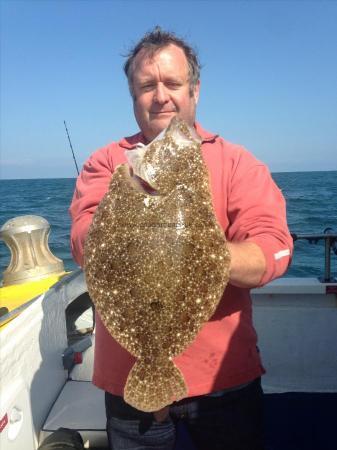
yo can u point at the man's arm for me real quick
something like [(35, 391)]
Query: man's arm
[(258, 237), (92, 184), (248, 264)]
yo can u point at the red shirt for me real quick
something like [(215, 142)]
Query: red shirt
[(249, 206)]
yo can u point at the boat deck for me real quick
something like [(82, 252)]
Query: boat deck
[(293, 421)]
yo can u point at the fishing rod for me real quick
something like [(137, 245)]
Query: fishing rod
[(72, 151)]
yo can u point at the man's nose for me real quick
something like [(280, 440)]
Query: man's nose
[(161, 95)]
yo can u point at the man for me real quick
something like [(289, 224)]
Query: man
[(222, 367)]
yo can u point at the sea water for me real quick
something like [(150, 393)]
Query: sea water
[(311, 208)]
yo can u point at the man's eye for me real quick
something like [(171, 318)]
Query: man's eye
[(147, 87), (173, 85)]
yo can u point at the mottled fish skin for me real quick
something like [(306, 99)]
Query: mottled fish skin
[(156, 266)]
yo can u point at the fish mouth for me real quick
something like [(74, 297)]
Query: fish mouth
[(138, 183)]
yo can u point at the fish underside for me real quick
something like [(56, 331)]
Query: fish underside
[(156, 266)]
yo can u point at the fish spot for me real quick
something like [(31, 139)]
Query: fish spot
[(135, 292), (185, 318), (132, 249), (156, 305)]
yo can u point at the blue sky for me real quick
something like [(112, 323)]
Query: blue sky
[(269, 78)]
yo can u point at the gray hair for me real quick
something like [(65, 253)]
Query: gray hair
[(155, 40)]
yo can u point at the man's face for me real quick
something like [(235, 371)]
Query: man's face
[(161, 90)]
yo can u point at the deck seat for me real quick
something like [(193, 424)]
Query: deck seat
[(80, 406)]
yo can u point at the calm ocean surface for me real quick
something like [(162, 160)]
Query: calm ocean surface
[(311, 207)]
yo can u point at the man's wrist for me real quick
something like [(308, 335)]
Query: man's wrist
[(248, 264)]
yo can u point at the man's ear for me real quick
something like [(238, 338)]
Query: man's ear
[(197, 91)]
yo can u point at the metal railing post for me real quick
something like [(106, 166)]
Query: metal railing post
[(330, 243), (327, 263)]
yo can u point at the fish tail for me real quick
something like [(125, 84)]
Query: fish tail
[(152, 387)]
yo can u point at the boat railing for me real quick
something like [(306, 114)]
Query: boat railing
[(330, 245)]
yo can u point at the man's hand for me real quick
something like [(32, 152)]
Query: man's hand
[(248, 264)]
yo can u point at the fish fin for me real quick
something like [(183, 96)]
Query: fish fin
[(151, 388)]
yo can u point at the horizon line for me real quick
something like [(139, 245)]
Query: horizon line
[(75, 177)]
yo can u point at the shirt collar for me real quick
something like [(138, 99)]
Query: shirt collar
[(131, 142)]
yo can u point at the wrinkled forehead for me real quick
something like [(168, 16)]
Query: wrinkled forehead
[(168, 55)]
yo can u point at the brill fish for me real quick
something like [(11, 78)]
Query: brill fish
[(157, 265)]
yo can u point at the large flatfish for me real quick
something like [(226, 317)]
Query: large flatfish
[(156, 265)]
